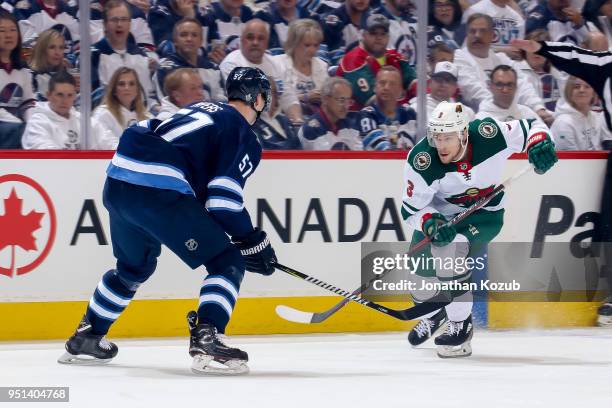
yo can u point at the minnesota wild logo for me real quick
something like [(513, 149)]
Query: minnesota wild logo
[(487, 130), (470, 196), (421, 161)]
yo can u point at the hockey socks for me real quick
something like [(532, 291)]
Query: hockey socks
[(217, 300), (110, 298)]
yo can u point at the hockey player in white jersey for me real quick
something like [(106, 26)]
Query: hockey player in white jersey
[(458, 163)]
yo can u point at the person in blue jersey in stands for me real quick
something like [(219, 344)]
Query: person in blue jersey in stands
[(180, 183)]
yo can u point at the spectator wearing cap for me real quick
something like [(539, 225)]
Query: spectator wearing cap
[(363, 62), (443, 88), (341, 27), (475, 62), (502, 106)]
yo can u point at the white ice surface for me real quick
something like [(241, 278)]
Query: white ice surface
[(553, 368)]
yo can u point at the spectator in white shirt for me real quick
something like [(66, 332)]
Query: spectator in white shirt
[(576, 126), (502, 106), (508, 24), (477, 60), (183, 87), (305, 70), (545, 79), (443, 87), (122, 106), (252, 53), (56, 124)]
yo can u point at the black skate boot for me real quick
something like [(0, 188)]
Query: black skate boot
[(210, 355), (604, 314), (455, 342), (427, 328), (87, 348)]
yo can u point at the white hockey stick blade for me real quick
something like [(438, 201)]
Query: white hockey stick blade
[(293, 315)]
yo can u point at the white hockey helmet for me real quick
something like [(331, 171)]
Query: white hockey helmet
[(448, 117)]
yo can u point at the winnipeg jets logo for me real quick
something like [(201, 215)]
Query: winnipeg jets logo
[(191, 244)]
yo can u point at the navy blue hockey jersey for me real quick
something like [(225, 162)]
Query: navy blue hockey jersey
[(380, 132), (207, 150)]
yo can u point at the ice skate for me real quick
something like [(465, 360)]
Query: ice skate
[(604, 314), (455, 342), (210, 355), (427, 328), (85, 348)]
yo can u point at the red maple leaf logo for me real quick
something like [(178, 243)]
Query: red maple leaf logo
[(16, 229)]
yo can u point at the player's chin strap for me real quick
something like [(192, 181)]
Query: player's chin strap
[(258, 113), (463, 146)]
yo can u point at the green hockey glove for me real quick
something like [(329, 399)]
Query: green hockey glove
[(541, 152), (433, 225)]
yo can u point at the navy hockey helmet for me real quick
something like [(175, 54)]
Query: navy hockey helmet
[(245, 83)]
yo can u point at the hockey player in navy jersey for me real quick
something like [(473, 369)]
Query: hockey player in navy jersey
[(180, 183)]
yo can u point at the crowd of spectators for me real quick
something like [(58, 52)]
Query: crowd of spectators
[(343, 73)]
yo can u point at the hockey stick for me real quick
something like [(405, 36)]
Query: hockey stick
[(411, 313), (298, 316)]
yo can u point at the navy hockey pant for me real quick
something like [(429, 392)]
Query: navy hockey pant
[(141, 220)]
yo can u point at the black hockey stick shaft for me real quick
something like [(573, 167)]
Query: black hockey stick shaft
[(411, 313), (321, 316)]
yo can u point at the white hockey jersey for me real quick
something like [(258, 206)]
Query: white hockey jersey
[(15, 93), (431, 186), (47, 130)]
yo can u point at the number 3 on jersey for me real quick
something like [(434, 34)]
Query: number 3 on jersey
[(410, 188)]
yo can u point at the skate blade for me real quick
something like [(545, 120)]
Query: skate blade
[(81, 359), (464, 350), (206, 365), (604, 321)]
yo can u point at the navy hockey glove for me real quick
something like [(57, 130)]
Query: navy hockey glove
[(257, 252), (541, 152), (439, 234)]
